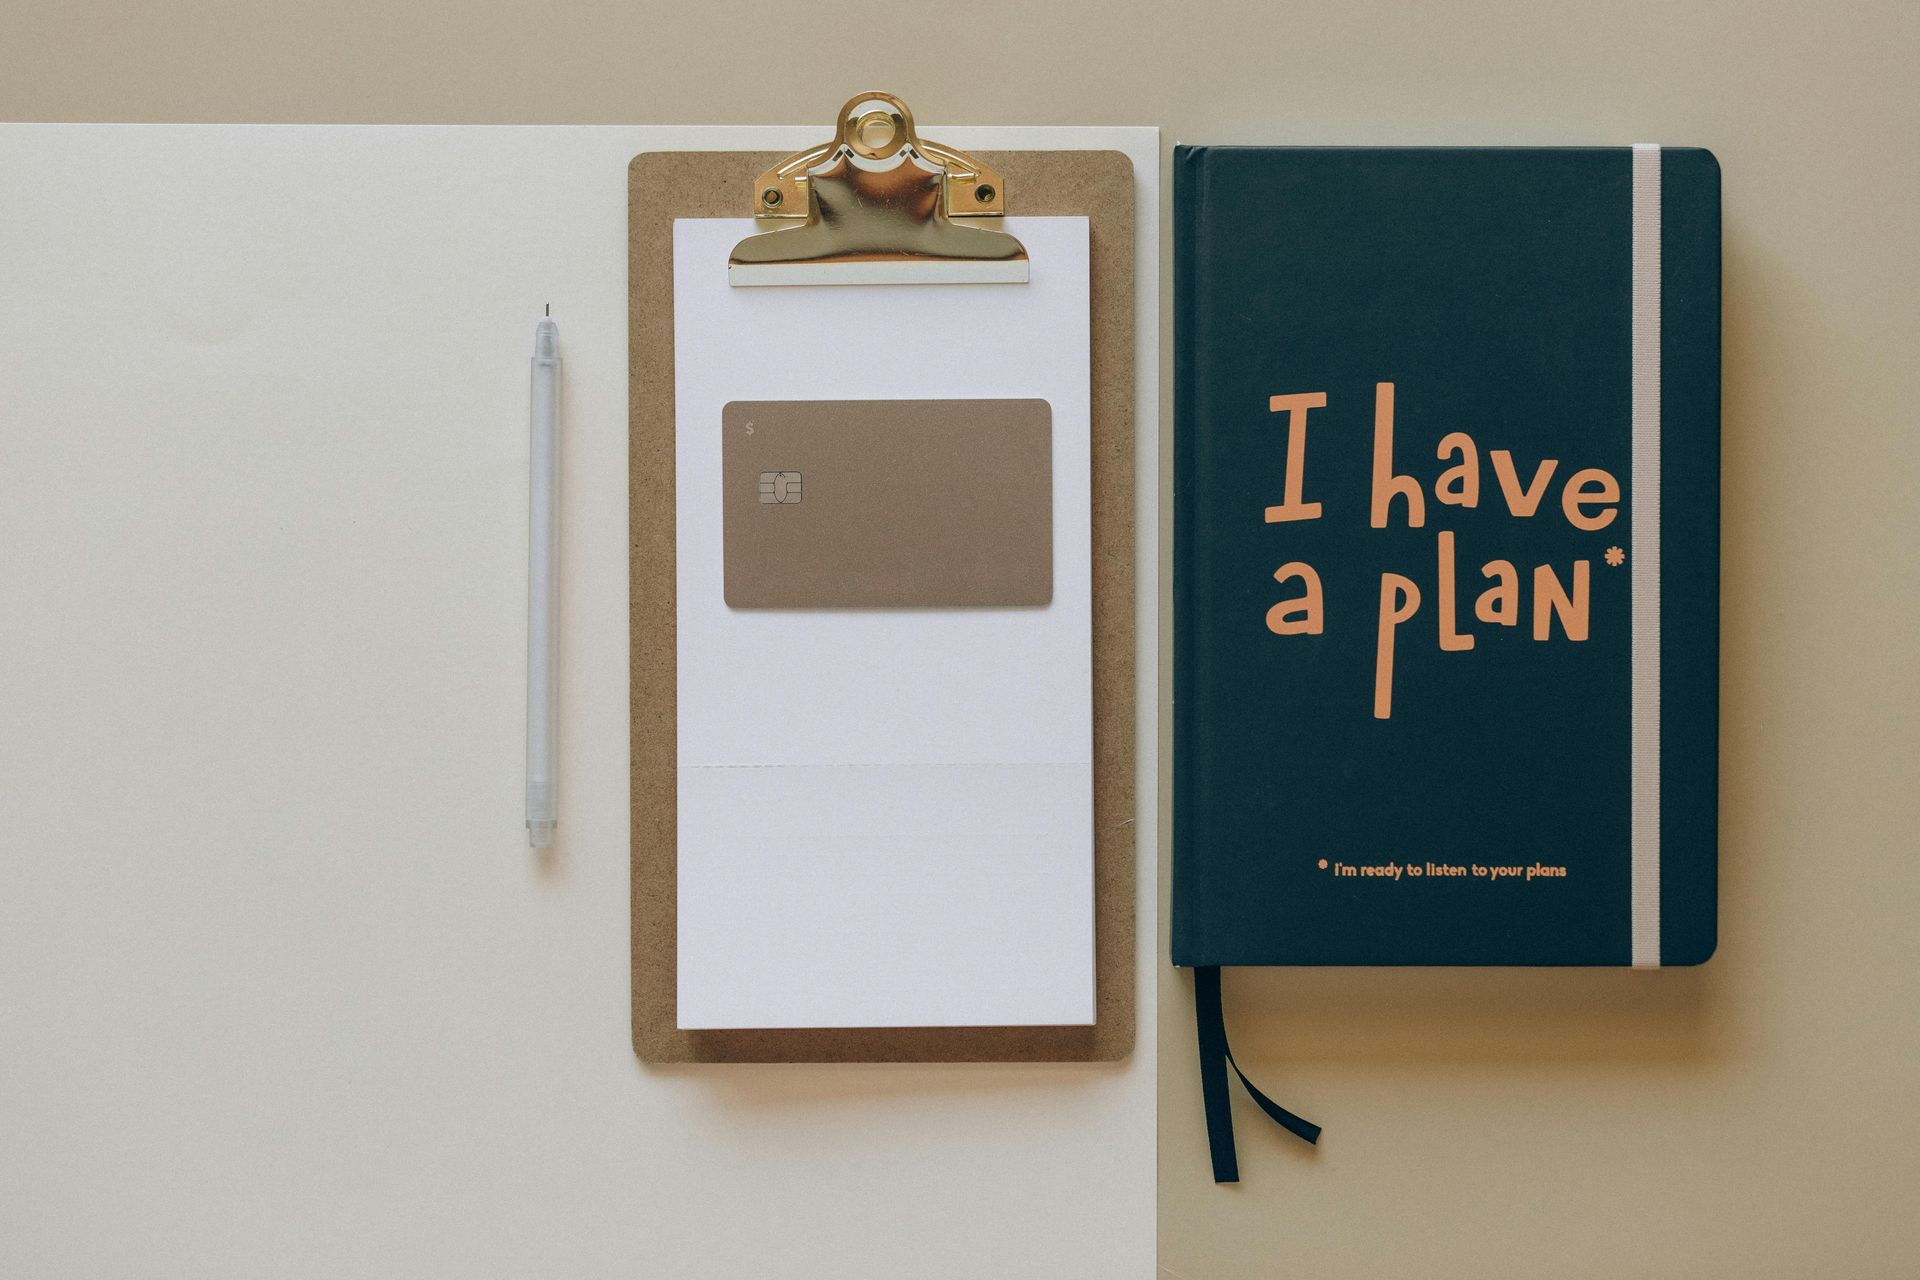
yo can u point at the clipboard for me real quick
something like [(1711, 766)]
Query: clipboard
[(907, 233)]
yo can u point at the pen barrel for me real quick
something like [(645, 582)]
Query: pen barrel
[(543, 573)]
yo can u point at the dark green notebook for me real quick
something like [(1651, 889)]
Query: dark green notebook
[(1445, 556)]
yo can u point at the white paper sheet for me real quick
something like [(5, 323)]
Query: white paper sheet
[(885, 816), (271, 939)]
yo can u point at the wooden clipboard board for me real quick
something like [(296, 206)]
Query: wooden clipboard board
[(663, 186)]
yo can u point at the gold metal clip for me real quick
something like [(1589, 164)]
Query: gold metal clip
[(878, 205)]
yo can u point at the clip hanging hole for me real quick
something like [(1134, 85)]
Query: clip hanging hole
[(770, 197), (876, 130), (984, 194), (876, 135)]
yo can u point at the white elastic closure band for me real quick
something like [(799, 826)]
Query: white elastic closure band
[(1643, 512)]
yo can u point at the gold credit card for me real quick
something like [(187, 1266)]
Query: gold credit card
[(887, 503)]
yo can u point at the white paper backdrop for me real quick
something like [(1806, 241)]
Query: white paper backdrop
[(282, 991)]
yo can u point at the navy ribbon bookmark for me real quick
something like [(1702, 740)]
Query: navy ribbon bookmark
[(1216, 1055)]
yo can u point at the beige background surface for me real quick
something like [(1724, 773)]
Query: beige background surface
[(1753, 1118)]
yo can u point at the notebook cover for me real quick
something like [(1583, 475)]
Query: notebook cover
[(1377, 758)]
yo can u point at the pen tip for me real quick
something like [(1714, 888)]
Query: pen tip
[(545, 339)]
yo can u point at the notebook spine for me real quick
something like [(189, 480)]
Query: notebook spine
[(1189, 179)]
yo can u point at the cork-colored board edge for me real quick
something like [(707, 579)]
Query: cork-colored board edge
[(663, 186)]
